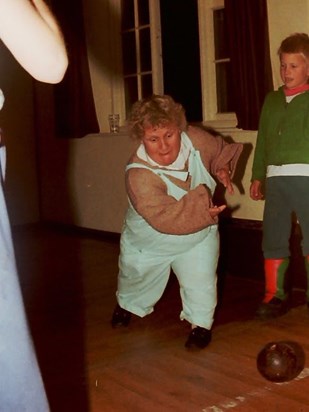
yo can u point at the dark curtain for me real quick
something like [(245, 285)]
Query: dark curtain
[(247, 27), (75, 114)]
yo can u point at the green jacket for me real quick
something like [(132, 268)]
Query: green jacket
[(283, 136)]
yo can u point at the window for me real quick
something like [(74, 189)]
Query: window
[(141, 55), (222, 63), (181, 55), (145, 73), (216, 93)]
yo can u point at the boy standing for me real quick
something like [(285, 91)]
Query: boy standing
[(281, 160)]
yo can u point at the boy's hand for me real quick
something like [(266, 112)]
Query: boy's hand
[(255, 190)]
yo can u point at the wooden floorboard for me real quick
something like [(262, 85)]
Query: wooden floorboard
[(69, 282)]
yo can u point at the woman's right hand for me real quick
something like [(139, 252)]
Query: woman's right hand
[(255, 190)]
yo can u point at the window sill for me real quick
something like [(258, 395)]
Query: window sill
[(122, 132), (226, 126)]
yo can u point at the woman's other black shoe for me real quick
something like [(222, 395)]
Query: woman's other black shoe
[(121, 317), (198, 338)]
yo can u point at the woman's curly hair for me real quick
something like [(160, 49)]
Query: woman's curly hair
[(155, 111)]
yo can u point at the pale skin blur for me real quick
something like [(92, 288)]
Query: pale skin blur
[(31, 33), (162, 145), (294, 72)]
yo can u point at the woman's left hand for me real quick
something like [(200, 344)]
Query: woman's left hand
[(224, 177), (215, 210)]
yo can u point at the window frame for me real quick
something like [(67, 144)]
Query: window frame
[(155, 49), (156, 46), (211, 116)]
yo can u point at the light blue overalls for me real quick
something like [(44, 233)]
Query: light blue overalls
[(147, 256)]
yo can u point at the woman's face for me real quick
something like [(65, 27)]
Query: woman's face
[(162, 144), (294, 70)]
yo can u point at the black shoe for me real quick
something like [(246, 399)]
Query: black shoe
[(198, 338), (121, 317), (272, 309)]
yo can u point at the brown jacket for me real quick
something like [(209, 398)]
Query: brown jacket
[(148, 193)]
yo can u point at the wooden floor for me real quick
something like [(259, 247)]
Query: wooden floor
[(69, 282)]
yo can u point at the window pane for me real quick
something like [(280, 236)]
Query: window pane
[(127, 13), (221, 44), (181, 54), (136, 51), (146, 85), (129, 53), (143, 12), (145, 49), (225, 99), (131, 94)]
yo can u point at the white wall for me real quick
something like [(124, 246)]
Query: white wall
[(241, 205), (284, 18), (89, 192)]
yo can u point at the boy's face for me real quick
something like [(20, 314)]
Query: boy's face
[(294, 69)]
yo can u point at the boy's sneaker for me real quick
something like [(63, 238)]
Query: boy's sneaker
[(273, 309)]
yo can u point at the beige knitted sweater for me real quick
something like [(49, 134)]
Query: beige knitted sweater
[(148, 193)]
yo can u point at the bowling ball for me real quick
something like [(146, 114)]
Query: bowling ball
[(281, 361)]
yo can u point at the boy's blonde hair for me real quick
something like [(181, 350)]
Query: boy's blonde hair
[(295, 43)]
